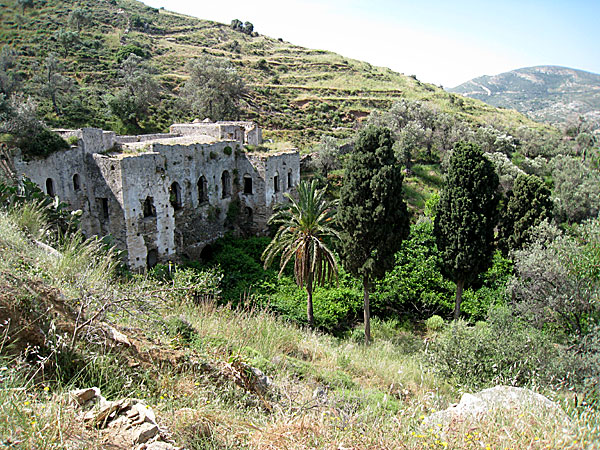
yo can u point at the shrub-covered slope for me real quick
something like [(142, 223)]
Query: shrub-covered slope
[(296, 93)]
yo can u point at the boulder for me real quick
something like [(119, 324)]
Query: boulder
[(477, 406)]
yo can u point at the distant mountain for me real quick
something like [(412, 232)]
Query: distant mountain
[(550, 94)]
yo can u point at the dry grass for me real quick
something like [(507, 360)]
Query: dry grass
[(327, 393)]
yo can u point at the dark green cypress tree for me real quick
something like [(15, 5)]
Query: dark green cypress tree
[(466, 216), (372, 213), (527, 205)]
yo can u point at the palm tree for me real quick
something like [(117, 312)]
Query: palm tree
[(304, 225)]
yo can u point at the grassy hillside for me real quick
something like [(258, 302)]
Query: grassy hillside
[(552, 94), (192, 364), (295, 93)]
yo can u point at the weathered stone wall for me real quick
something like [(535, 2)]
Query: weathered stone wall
[(243, 132), (106, 201), (169, 200), (143, 137)]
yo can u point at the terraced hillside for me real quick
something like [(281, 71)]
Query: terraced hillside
[(295, 93)]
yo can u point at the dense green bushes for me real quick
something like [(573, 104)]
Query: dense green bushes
[(503, 350), (414, 289), (415, 286)]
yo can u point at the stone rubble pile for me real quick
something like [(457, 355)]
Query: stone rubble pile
[(129, 423)]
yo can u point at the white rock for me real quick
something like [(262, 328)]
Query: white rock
[(144, 433), (474, 406)]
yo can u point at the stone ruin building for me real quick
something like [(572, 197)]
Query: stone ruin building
[(167, 196)]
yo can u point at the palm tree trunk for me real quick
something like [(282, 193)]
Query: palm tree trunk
[(459, 290), (366, 287), (309, 301)]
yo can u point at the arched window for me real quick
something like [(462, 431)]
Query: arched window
[(276, 183), (76, 182), (152, 258), (175, 195), (247, 184), (202, 190), (289, 180), (226, 184), (50, 187), (149, 208)]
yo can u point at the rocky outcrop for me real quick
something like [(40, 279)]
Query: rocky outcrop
[(477, 406), (126, 423)]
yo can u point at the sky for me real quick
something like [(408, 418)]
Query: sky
[(441, 42)]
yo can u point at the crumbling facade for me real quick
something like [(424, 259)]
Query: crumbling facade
[(165, 196)]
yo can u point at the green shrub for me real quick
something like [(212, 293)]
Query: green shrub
[(41, 144), (415, 286), (335, 308), (124, 52), (434, 323), (179, 328), (227, 150), (72, 140), (507, 351)]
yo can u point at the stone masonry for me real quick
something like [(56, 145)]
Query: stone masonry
[(167, 196)]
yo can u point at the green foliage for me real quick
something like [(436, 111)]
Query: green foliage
[(434, 323), (239, 260), (26, 195), (79, 17), (67, 39), (527, 205), (53, 84), (372, 213), (227, 150), (213, 90), (335, 309), (25, 4), (506, 351), (25, 131), (576, 189), (431, 205), (8, 77), (305, 226), (415, 287), (557, 282), (489, 290), (41, 144), (179, 328), (466, 216), (246, 28), (589, 351), (124, 51), (328, 155), (233, 212), (140, 91)]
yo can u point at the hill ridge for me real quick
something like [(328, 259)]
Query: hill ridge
[(279, 73), (550, 93)]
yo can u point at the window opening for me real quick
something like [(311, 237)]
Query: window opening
[(149, 208), (50, 187), (175, 195), (226, 184), (247, 184), (76, 182), (104, 207), (202, 190), (152, 258)]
